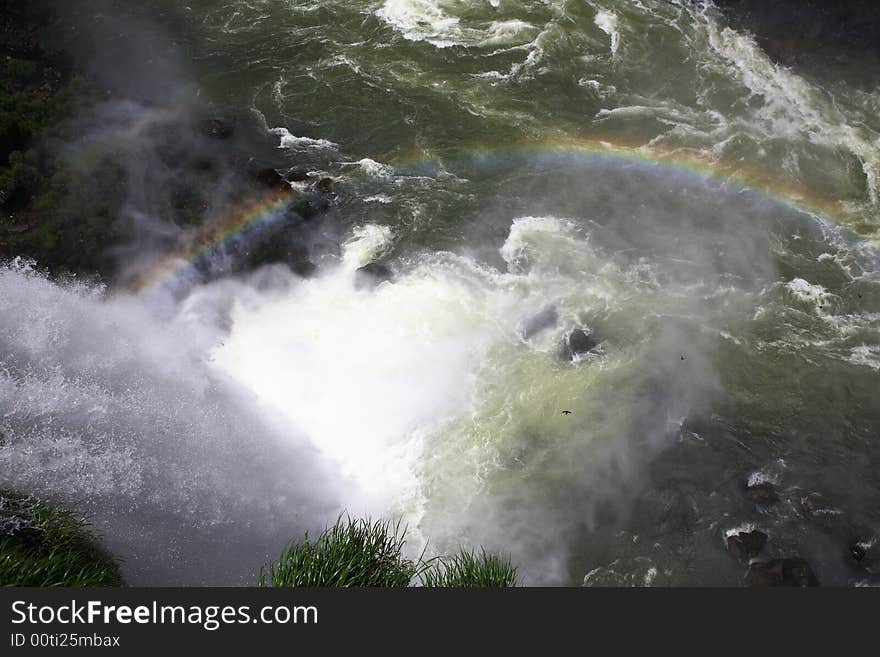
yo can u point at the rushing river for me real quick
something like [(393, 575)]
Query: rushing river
[(524, 168)]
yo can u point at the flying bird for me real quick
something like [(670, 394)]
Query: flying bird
[(566, 412)]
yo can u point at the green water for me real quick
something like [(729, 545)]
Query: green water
[(739, 327)]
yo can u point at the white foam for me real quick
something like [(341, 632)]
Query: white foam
[(288, 140), (365, 245), (421, 20), (865, 355), (810, 293), (607, 22), (375, 169)]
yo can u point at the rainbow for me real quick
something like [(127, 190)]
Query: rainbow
[(267, 209), (793, 195), (251, 216)]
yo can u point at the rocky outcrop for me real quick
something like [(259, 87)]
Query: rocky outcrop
[(793, 571), (578, 342), (746, 545), (271, 179), (762, 494)]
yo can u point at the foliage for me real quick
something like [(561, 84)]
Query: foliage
[(370, 553), (349, 553), (470, 570), (44, 545)]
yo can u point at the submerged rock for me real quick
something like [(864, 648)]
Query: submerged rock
[(370, 276), (217, 128), (762, 494), (793, 571), (546, 317), (577, 342), (746, 545)]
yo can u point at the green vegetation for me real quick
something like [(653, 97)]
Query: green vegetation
[(57, 207), (469, 569), (370, 553), (350, 553), (43, 545)]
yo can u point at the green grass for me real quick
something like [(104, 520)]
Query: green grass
[(470, 570), (43, 545), (349, 553), (370, 553)]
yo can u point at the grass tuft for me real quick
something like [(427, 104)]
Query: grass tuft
[(349, 553), (43, 545), (370, 553), (470, 570)]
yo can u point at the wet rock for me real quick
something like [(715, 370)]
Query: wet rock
[(371, 275), (858, 551), (793, 571), (297, 174), (325, 185), (762, 494), (815, 504), (217, 128), (271, 179), (546, 317), (746, 545), (866, 554), (579, 341)]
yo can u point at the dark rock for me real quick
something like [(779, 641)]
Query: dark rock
[(746, 545), (217, 128), (815, 504), (763, 494), (577, 342), (866, 554), (546, 317), (858, 551), (305, 208), (271, 179), (303, 268), (782, 572), (325, 185), (371, 275), (297, 174)]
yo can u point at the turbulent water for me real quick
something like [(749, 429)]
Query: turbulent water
[(524, 168)]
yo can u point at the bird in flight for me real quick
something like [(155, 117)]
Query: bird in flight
[(566, 412)]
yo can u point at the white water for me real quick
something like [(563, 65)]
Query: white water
[(267, 405)]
